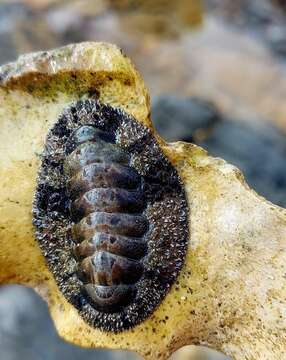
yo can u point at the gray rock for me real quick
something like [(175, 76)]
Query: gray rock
[(7, 52), (177, 117), (27, 331), (258, 149)]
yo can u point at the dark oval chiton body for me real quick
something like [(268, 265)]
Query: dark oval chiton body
[(110, 215), (107, 203)]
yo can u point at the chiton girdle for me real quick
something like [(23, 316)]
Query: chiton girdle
[(110, 215)]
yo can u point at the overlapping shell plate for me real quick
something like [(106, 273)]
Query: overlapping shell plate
[(110, 215)]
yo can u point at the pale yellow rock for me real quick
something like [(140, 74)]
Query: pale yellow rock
[(231, 293)]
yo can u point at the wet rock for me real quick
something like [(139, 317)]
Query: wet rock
[(7, 52), (259, 151), (10, 14), (276, 36), (257, 148), (23, 317), (180, 118)]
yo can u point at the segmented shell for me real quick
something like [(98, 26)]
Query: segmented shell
[(107, 204), (110, 215)]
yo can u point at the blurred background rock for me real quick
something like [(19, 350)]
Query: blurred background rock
[(217, 76)]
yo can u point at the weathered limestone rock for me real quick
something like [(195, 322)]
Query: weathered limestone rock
[(231, 293)]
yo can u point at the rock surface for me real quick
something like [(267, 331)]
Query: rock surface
[(230, 294)]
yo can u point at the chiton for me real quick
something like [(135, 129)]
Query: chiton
[(110, 215)]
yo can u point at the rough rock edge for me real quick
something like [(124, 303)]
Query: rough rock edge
[(66, 58), (204, 159)]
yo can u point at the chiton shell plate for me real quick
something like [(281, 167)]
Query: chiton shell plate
[(110, 215)]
